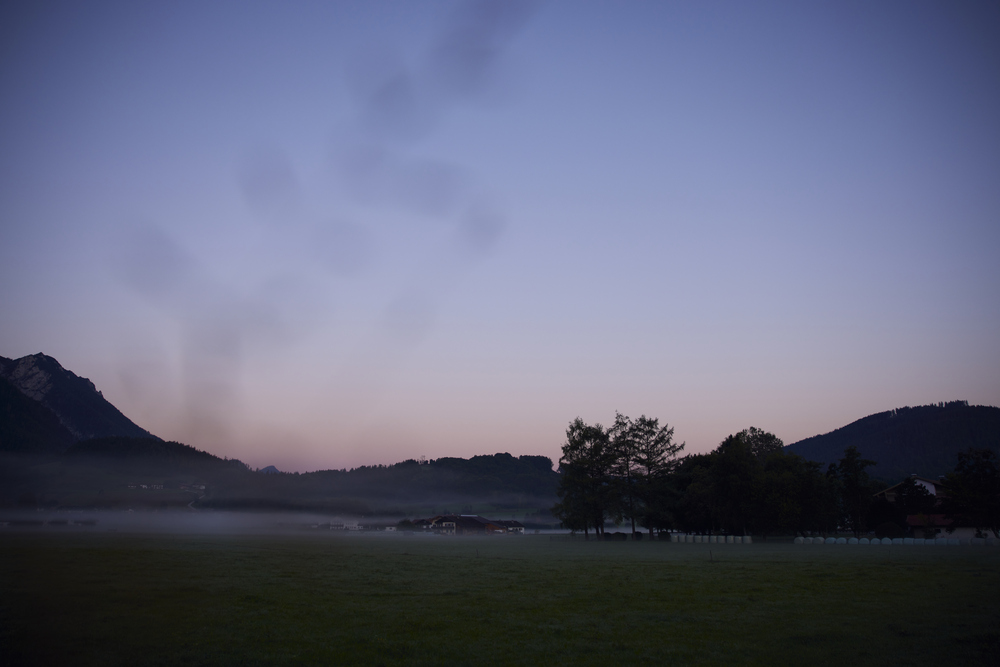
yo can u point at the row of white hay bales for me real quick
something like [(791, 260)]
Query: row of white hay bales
[(940, 541), (711, 539)]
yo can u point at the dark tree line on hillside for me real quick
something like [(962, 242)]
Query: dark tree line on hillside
[(107, 465), (750, 484)]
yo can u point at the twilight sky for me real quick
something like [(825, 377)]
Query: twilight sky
[(328, 234)]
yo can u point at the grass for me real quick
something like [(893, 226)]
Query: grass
[(120, 599)]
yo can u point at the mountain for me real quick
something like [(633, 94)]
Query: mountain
[(63, 445), (28, 426), (74, 401), (922, 440)]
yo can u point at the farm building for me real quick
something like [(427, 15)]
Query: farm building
[(513, 526), (934, 487), (468, 524), (932, 524)]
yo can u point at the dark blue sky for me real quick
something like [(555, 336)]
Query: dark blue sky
[(326, 234)]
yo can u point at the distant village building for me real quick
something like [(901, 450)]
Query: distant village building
[(514, 527), (934, 487), (345, 525), (468, 524), (928, 525)]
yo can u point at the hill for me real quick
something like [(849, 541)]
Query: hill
[(498, 481), (922, 440), (74, 401)]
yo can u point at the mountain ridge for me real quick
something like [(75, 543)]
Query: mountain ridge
[(75, 401), (47, 409)]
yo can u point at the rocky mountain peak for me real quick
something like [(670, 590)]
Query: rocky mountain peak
[(75, 400)]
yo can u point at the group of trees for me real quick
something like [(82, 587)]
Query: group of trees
[(974, 490), (748, 485), (617, 473)]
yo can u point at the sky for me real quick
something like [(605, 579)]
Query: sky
[(329, 234)]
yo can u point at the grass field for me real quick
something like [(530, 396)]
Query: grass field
[(120, 599)]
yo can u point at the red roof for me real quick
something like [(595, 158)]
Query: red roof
[(922, 520)]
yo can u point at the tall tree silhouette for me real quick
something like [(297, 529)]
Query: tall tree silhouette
[(655, 454), (974, 490), (585, 468), (855, 491)]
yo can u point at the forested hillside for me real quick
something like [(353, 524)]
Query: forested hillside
[(924, 440), (498, 479), (137, 473)]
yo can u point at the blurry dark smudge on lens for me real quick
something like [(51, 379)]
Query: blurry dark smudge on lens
[(268, 183), (409, 318), (345, 249)]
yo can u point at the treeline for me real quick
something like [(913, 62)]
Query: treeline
[(750, 484), (497, 482), (501, 478), (97, 472)]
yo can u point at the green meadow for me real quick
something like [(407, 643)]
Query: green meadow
[(104, 598)]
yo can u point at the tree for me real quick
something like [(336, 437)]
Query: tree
[(733, 471), (615, 473), (817, 498), (625, 468), (974, 490), (583, 482), (694, 508), (776, 498), (762, 444), (655, 455), (855, 494), (913, 498)]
